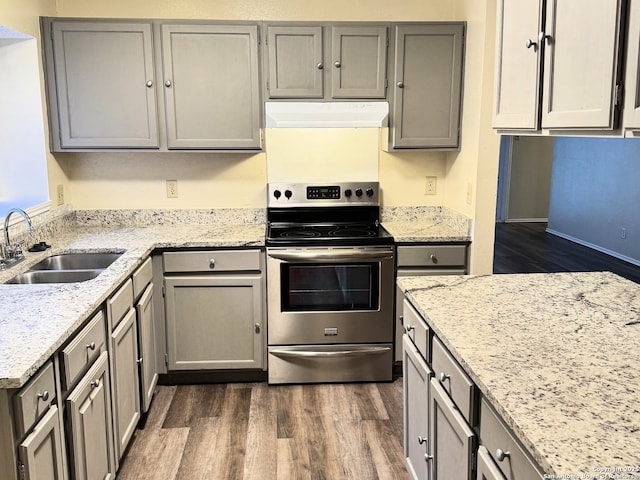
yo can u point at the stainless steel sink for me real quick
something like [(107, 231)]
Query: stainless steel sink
[(77, 261), (55, 276), (67, 268)]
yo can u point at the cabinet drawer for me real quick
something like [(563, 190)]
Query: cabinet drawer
[(453, 379), (83, 350), (212, 261), (120, 303), (494, 435), (34, 399), (141, 278), (416, 329), (432, 256)]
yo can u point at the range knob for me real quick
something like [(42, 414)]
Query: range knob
[(369, 192), (358, 192), (277, 194), (287, 193), (348, 192)]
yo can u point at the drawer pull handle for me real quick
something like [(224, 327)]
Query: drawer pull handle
[(501, 454), (44, 396), (444, 377), (95, 383), (427, 457), (139, 361), (421, 439), (212, 263), (433, 258), (410, 327), (91, 346)]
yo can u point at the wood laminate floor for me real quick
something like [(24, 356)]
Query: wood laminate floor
[(259, 431), (527, 248)]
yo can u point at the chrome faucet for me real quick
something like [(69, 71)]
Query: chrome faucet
[(14, 254)]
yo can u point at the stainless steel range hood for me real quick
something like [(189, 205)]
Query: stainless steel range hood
[(326, 114)]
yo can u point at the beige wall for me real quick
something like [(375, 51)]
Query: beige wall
[(119, 180)]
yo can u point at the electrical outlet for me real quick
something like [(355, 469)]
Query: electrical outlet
[(60, 194), (623, 233), (172, 189), (430, 187)]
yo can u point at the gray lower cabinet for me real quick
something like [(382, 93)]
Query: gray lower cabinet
[(487, 469), (88, 410), (426, 98), (147, 344), (211, 86), (40, 454), (416, 376), (452, 439), (214, 309), (102, 82), (354, 62), (632, 83)]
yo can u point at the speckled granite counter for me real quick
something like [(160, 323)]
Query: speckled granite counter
[(556, 354), (426, 224), (35, 320)]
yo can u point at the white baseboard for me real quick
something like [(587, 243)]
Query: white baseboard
[(526, 220), (594, 247)]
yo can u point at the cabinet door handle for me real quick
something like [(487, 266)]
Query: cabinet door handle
[(212, 263), (410, 327), (139, 361), (167, 83), (338, 64), (427, 457), (530, 43), (257, 327), (444, 377), (319, 66), (421, 439), (95, 383), (501, 454), (91, 346), (433, 258), (44, 396), (400, 84), (149, 83), (542, 37)]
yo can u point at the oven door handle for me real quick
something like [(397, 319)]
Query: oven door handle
[(329, 353), (333, 255)]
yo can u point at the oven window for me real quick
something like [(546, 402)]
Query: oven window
[(314, 287)]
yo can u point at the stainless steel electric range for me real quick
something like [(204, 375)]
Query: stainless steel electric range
[(329, 284)]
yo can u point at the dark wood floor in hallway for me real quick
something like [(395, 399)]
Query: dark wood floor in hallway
[(257, 431), (527, 248)]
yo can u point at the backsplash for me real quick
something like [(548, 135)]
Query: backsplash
[(432, 214), (216, 216)]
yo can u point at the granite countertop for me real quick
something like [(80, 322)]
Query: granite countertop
[(35, 320), (556, 355)]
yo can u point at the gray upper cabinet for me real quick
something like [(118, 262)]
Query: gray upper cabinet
[(104, 85), (428, 85), (211, 86), (301, 60), (296, 63), (358, 62), (556, 61)]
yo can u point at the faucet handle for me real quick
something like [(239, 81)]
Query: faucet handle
[(17, 251), (3, 263)]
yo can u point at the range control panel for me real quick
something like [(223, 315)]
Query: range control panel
[(307, 194)]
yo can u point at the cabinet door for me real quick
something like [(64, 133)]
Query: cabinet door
[(90, 432), (126, 391), (518, 64), (105, 85), (487, 469), (452, 440), (147, 336), (41, 451), (214, 322), (428, 76), (581, 64), (416, 375), (211, 84), (632, 88), (359, 62), (296, 67)]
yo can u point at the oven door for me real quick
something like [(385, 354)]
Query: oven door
[(330, 295)]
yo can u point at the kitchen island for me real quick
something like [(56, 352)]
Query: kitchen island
[(556, 356)]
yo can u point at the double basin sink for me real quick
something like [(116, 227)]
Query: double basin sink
[(67, 268)]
